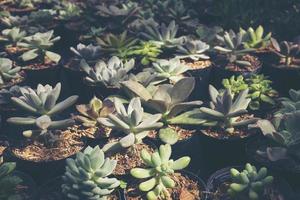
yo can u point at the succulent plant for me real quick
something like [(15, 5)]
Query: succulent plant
[(43, 100), (249, 183), (158, 171), (8, 181), (89, 53), (232, 47), (117, 45), (12, 36), (193, 49), (208, 34), (86, 176), (171, 70), (260, 90), (124, 10), (255, 38), (163, 35), (290, 104), (131, 121), (285, 132), (7, 71), (38, 46), (288, 52), (6, 94), (148, 51), (68, 11), (42, 17), (93, 33), (224, 112), (109, 74), (90, 113)]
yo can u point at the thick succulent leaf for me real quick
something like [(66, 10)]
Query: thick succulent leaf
[(23, 105), (147, 185), (168, 136), (53, 56), (165, 152), (182, 90), (61, 124), (212, 113), (142, 173), (180, 107), (213, 92), (168, 182), (193, 117), (21, 120), (181, 163), (137, 89), (63, 105)]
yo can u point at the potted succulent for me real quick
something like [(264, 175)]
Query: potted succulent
[(192, 53), (233, 58), (246, 183), (104, 78), (135, 124), (94, 184), (10, 37), (10, 74), (15, 184), (88, 116), (39, 62), (161, 178), (49, 138)]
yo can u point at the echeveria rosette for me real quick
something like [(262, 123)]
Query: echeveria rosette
[(159, 170)]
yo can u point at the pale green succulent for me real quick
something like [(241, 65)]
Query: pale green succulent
[(38, 46), (7, 71), (109, 74), (43, 100), (86, 176), (163, 35), (68, 11), (193, 49), (158, 171), (148, 51), (131, 121), (12, 36), (224, 112), (249, 183), (255, 38)]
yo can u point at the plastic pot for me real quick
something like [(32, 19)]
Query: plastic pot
[(190, 175), (223, 175), (51, 190)]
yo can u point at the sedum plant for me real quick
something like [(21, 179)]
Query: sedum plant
[(132, 121), (163, 35), (159, 170), (224, 112), (43, 100), (148, 51), (7, 71), (249, 183), (288, 53), (12, 36), (285, 132), (109, 74), (231, 45), (255, 38), (8, 181), (171, 70), (87, 176), (193, 49), (38, 46)]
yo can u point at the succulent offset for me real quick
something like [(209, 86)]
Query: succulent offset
[(159, 170), (224, 112), (86, 176), (38, 46), (249, 183), (255, 38), (148, 51), (109, 74), (193, 49), (7, 71), (8, 181)]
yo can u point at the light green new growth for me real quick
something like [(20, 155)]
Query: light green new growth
[(255, 38), (8, 71)]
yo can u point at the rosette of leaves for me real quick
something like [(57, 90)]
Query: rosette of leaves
[(208, 34), (235, 84), (255, 38), (133, 121), (8, 181), (117, 45), (163, 35), (89, 53), (87, 175), (171, 70), (170, 102), (38, 46), (109, 74), (289, 104), (93, 33), (159, 169), (7, 71), (231, 45), (68, 11), (285, 132), (43, 100), (12, 36), (224, 112), (288, 53), (42, 17), (193, 49), (148, 51), (249, 183)]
